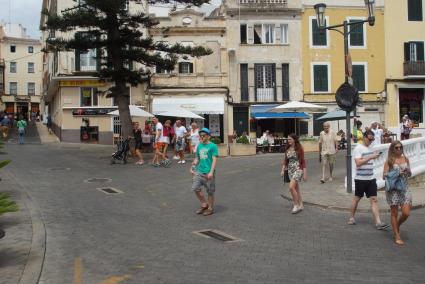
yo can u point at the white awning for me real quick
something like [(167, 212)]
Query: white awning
[(203, 105)]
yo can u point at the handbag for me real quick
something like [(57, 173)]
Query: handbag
[(286, 178)]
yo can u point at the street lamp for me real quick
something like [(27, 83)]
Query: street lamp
[(320, 9)]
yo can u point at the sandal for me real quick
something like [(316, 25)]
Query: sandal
[(208, 212), (201, 210), (398, 242)]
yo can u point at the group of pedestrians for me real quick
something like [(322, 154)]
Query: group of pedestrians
[(7, 123), (396, 171)]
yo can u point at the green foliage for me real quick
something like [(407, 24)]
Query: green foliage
[(243, 140), (6, 205), (215, 140)]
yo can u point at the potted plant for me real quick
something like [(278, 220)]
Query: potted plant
[(222, 148)]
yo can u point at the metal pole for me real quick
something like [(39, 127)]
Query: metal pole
[(347, 120)]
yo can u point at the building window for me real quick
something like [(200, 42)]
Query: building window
[(321, 77), (244, 83), (265, 82), (263, 33), (87, 60), (185, 67), (30, 49), (360, 77), (413, 51), (31, 89), (318, 38), (13, 88), (357, 34), (30, 67), (160, 70), (13, 48), (88, 97), (243, 31), (284, 33), (13, 67), (414, 10)]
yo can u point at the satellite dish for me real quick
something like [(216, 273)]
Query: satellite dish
[(187, 20)]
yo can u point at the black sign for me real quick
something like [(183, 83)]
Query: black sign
[(92, 111)]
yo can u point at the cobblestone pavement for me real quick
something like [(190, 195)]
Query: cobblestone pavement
[(145, 234)]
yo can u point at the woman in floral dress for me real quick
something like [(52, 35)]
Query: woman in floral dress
[(294, 162), (398, 197)]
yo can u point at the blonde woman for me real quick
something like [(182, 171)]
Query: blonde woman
[(194, 137), (398, 197)]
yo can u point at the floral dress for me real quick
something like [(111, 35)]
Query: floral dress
[(398, 197), (294, 171)]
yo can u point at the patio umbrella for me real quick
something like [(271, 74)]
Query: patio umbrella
[(134, 111), (334, 115), (180, 112), (297, 106)]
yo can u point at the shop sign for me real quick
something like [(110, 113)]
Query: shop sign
[(82, 83), (92, 111)]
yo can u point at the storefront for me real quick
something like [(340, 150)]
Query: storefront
[(209, 107)]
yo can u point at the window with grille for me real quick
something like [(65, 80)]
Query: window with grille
[(13, 67), (31, 89), (265, 77), (185, 67), (13, 88), (30, 67), (88, 97)]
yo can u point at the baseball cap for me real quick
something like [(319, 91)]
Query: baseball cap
[(205, 130)]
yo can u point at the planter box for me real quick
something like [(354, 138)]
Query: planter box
[(310, 146), (238, 149), (223, 150)]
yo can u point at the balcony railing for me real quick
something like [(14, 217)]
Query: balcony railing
[(188, 80), (414, 68), (283, 3), (265, 95)]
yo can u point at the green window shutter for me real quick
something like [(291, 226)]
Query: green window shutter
[(320, 73), (420, 51), (414, 10), (356, 34), (285, 82), (191, 68), (406, 51), (180, 67), (77, 60), (359, 80), (319, 36), (244, 82)]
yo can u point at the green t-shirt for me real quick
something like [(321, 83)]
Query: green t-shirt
[(205, 154), (22, 124)]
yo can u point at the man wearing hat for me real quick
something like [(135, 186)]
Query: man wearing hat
[(203, 171)]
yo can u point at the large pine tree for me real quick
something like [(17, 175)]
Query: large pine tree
[(120, 38)]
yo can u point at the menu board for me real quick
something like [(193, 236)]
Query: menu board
[(214, 124)]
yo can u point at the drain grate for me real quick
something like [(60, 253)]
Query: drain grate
[(98, 180), (59, 169), (109, 190), (218, 235)]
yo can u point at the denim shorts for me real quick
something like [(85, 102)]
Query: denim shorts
[(180, 145), (200, 180)]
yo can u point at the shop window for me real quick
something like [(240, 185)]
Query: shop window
[(357, 34), (30, 49), (318, 37), (359, 77), (411, 103), (320, 78), (89, 97), (30, 67), (13, 88), (185, 67), (31, 89), (13, 67), (414, 10), (13, 48)]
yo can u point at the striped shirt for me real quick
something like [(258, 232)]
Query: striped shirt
[(365, 171)]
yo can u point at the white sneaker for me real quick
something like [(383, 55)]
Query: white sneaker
[(295, 210), (330, 179), (183, 162), (179, 162), (176, 158)]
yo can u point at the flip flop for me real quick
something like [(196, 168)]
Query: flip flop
[(201, 210), (208, 212)]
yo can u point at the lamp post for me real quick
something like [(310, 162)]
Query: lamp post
[(321, 23)]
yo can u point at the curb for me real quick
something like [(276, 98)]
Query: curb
[(347, 209), (35, 260)]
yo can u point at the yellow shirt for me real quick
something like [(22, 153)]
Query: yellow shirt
[(357, 133)]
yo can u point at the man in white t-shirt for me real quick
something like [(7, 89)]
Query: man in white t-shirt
[(179, 139), (377, 130), (364, 181)]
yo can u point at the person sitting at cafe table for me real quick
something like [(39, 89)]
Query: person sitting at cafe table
[(270, 141)]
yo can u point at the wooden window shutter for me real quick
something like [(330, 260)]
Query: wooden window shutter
[(406, 51), (420, 51), (285, 82), (359, 77), (278, 33), (191, 67), (250, 34), (180, 67), (244, 82)]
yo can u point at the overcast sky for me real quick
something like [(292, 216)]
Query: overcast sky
[(27, 13)]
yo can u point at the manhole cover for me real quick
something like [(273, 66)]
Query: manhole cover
[(218, 235), (98, 180), (109, 190), (59, 169)]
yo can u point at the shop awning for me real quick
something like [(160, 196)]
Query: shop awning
[(261, 112), (200, 105)]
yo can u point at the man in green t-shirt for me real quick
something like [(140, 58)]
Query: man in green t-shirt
[(203, 171), (22, 124)]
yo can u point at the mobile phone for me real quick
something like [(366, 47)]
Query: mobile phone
[(380, 153)]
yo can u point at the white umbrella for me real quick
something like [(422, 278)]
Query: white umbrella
[(298, 106), (134, 111), (180, 112)]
